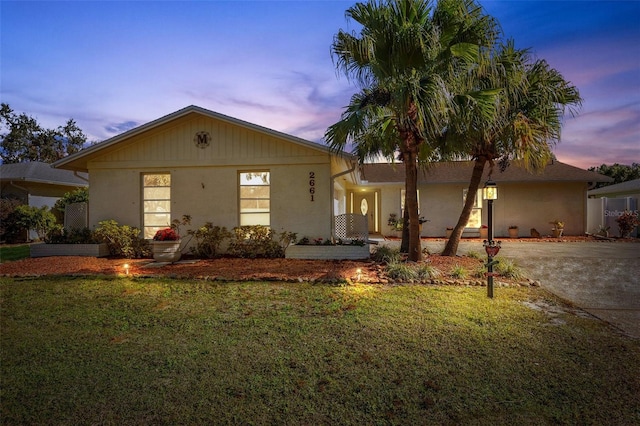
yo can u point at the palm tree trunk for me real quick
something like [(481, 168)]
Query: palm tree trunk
[(410, 159), (452, 245), (404, 245)]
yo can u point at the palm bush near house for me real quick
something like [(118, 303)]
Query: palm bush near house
[(125, 351)]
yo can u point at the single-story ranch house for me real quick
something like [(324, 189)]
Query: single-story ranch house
[(230, 172)]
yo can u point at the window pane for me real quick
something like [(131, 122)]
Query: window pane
[(157, 206), (157, 180), (255, 178), (475, 220), (254, 219), (247, 206), (254, 191), (155, 193), (157, 219)]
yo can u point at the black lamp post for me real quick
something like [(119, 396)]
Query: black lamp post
[(490, 193)]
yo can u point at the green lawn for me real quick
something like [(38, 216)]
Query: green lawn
[(134, 351), (9, 253)]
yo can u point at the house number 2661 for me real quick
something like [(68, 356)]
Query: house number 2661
[(312, 184)]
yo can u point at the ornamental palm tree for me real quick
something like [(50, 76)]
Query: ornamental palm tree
[(405, 59), (529, 110)]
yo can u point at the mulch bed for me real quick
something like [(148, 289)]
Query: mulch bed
[(225, 269)]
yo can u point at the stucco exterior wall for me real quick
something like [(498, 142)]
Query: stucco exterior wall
[(531, 205)]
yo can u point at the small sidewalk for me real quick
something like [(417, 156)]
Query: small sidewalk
[(599, 277)]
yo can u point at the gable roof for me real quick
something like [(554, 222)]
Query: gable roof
[(619, 188), (78, 161), (460, 172), (38, 172)]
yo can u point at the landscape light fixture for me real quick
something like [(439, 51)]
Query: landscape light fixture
[(490, 193)]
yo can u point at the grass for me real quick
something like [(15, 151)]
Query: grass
[(127, 351), (9, 253)]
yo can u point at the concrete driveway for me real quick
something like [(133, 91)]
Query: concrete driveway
[(602, 278)]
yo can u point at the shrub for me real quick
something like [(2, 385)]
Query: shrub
[(259, 241), (122, 240), (209, 238), (80, 195), (72, 236), (40, 219), (627, 221), (386, 254), (9, 231)]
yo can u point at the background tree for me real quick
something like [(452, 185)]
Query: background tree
[(619, 172), (532, 100), (23, 139), (404, 59)]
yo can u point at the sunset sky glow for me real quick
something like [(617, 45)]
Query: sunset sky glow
[(114, 65)]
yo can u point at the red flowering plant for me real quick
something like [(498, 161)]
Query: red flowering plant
[(167, 234)]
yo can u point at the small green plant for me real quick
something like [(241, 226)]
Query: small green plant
[(386, 254), (473, 254), (508, 269), (480, 271), (401, 271), (459, 271), (426, 271), (122, 240)]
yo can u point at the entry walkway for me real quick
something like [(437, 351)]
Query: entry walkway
[(600, 277)]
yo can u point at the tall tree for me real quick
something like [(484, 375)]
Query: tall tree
[(619, 172), (405, 58), (532, 100), (25, 140)]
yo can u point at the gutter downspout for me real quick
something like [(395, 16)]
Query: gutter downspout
[(331, 193)]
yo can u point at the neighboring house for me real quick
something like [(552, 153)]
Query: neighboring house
[(609, 202), (229, 172), (619, 190), (38, 184)]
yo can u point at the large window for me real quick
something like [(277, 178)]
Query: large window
[(475, 219), (255, 198), (156, 203)]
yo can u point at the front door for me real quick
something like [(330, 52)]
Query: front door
[(366, 203)]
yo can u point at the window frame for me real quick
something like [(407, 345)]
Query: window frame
[(148, 230), (247, 214)]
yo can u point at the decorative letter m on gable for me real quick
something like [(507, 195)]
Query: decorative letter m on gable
[(202, 139)]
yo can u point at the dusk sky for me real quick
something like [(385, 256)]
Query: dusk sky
[(113, 65)]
